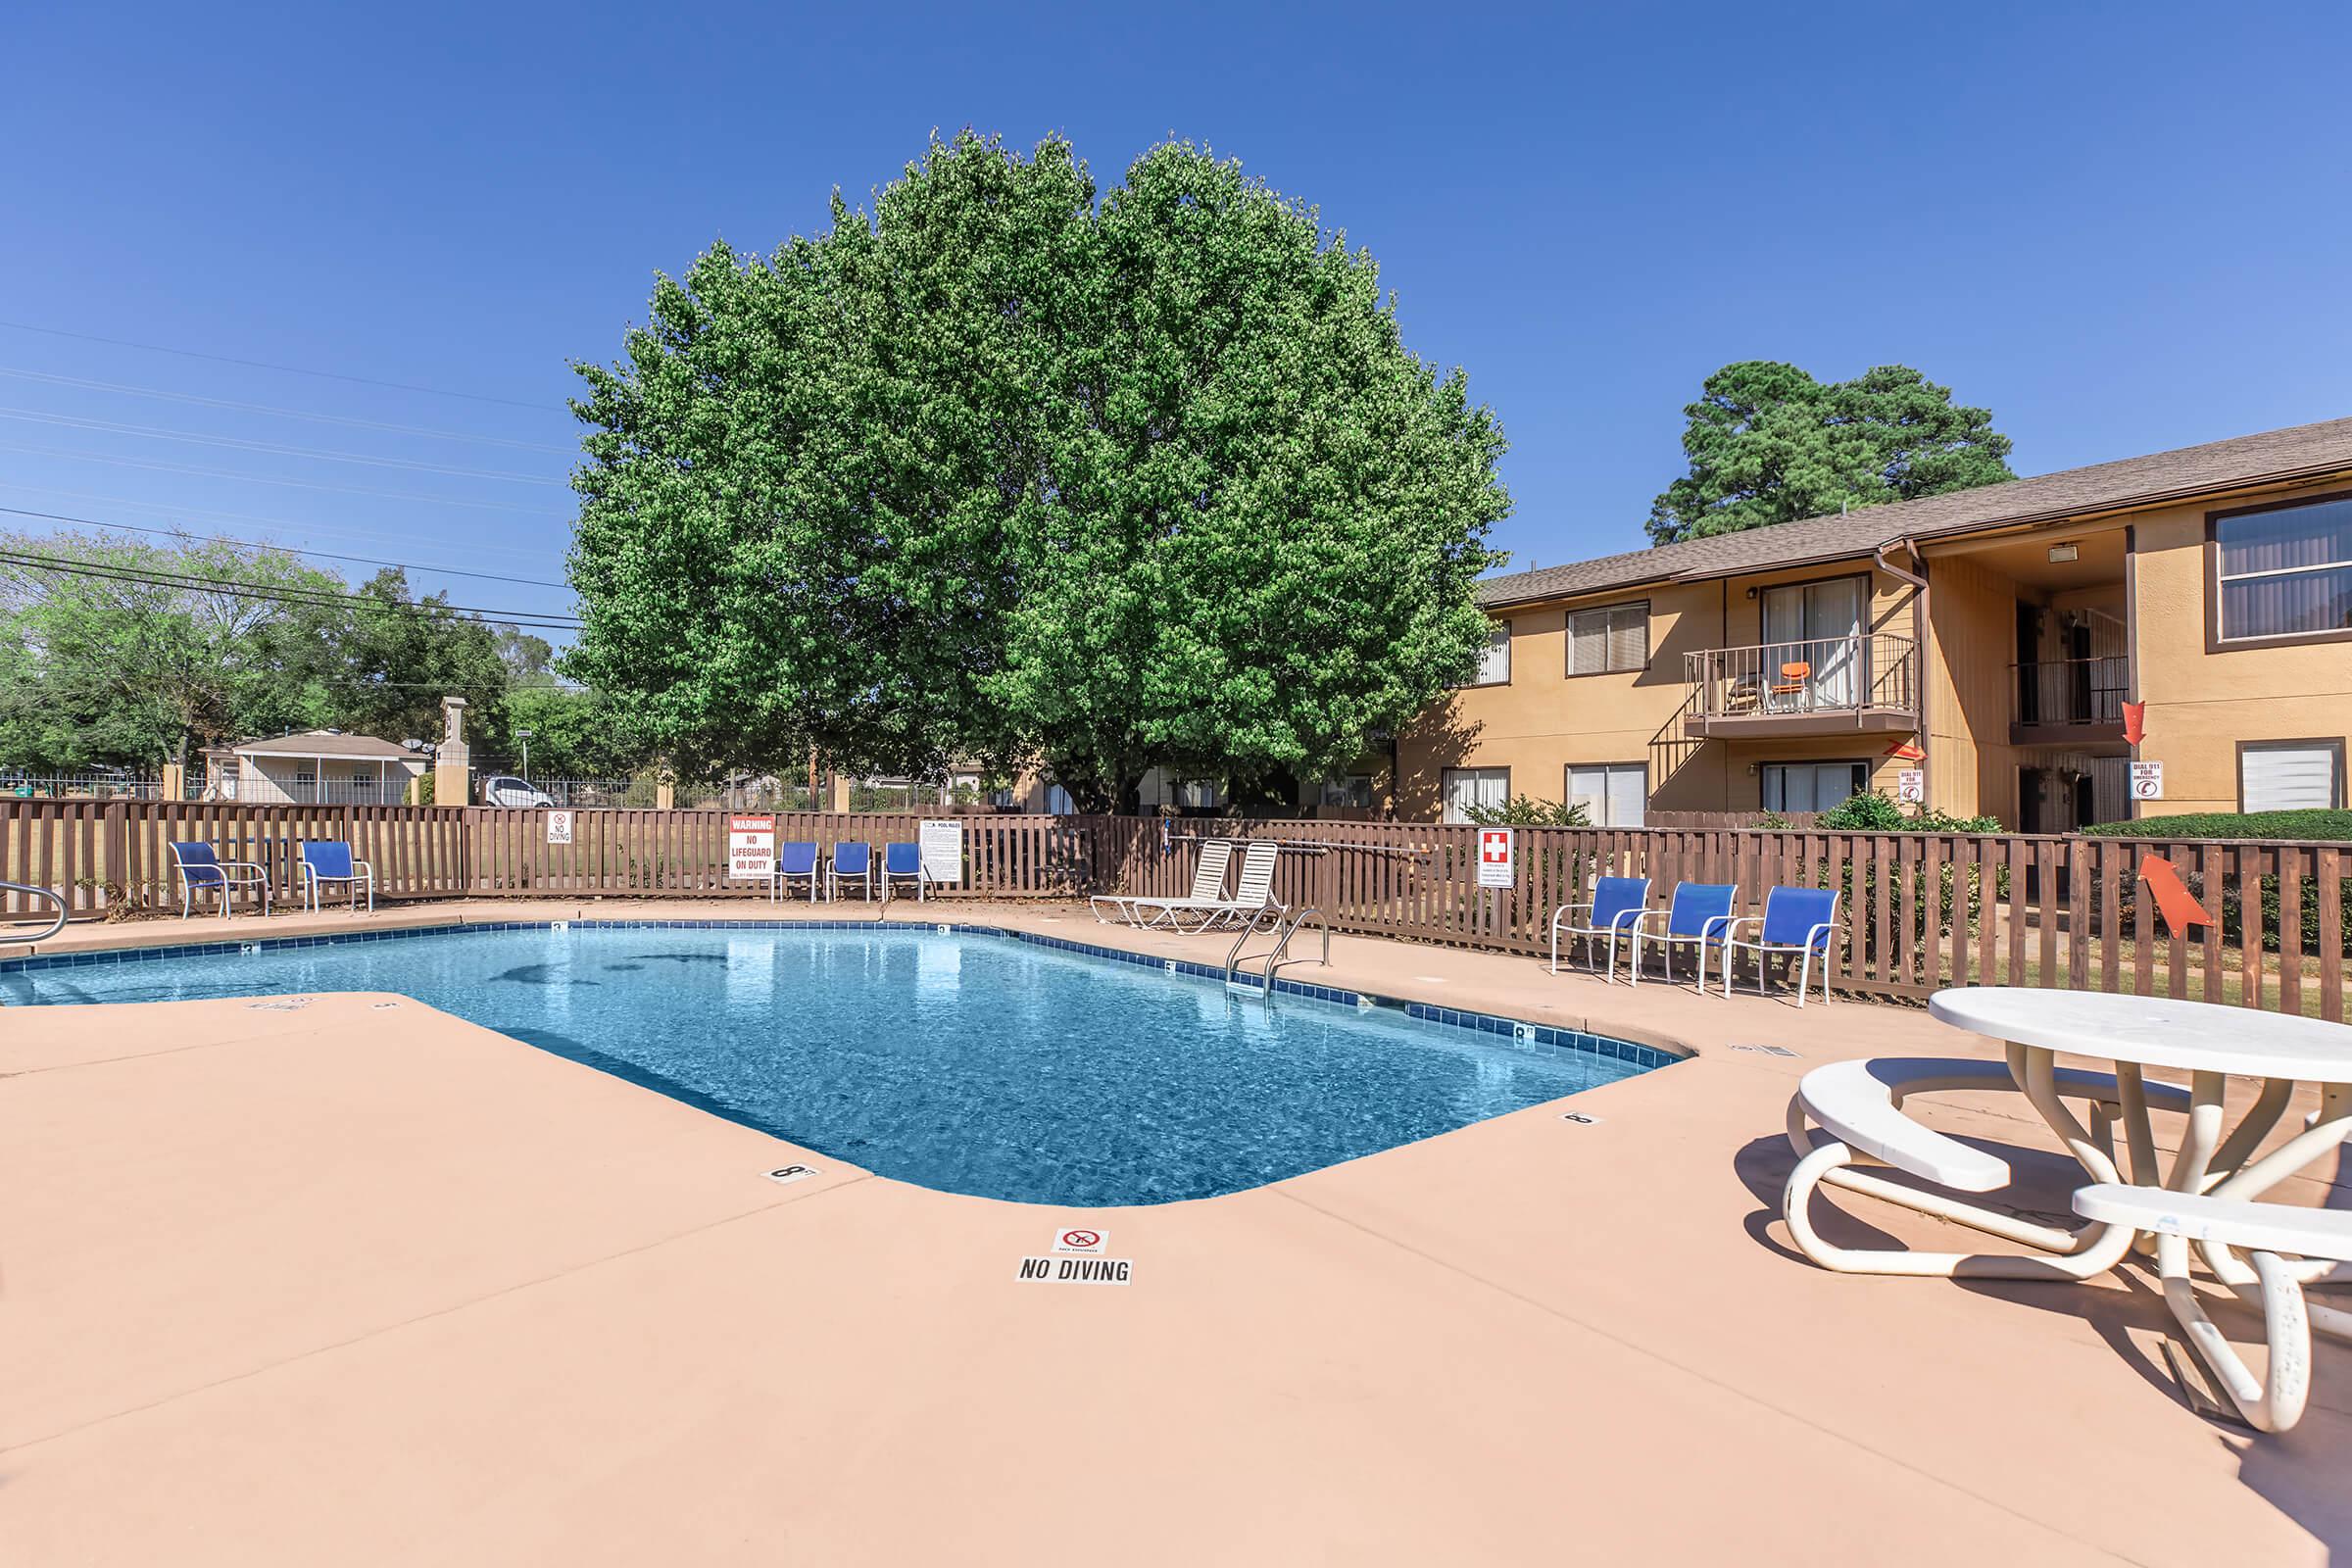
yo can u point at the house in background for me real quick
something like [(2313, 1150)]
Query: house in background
[(1987, 641), (316, 767)]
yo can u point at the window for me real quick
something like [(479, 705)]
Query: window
[(2283, 572), (1613, 640), (1612, 794), (1354, 790), (2290, 776), (1486, 788), (1812, 786), (1495, 660), (1059, 802), (1200, 795)]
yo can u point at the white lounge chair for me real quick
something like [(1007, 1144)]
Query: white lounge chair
[(1208, 886), (2322, 1238), (1859, 1107), (1253, 898)]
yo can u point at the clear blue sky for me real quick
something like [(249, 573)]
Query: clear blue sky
[(2122, 227)]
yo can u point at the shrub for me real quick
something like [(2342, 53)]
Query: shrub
[(2324, 827), (1524, 810), (1875, 811), (2327, 827)]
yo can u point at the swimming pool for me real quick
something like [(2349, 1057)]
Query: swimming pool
[(967, 1061)]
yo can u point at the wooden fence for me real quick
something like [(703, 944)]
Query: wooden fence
[(1924, 911)]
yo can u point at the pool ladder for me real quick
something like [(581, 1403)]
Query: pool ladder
[(1279, 954), (55, 926)]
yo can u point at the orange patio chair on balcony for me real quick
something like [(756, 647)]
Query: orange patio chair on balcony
[(1796, 682)]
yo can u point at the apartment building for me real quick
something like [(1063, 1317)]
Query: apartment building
[(1991, 642)]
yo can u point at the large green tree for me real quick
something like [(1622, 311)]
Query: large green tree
[(1768, 443), (131, 650), (133, 659), (1008, 472)]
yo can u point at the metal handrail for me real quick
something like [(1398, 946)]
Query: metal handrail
[(1804, 674), (1275, 957), (52, 895)]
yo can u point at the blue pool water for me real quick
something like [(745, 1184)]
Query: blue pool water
[(971, 1063)]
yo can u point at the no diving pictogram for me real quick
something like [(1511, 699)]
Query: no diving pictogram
[(1080, 1239)]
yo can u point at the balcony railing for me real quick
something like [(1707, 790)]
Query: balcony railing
[(1807, 686), (2069, 692)]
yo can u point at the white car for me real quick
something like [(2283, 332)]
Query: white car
[(505, 789)]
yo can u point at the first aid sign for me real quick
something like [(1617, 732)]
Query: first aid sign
[(752, 847), (1498, 868)]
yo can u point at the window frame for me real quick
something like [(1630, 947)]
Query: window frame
[(2333, 744), (1509, 658), (2214, 641), (1648, 643), (1568, 789), (1868, 767), (1446, 792)]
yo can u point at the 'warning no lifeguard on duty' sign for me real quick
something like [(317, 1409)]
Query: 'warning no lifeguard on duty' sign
[(1497, 866)]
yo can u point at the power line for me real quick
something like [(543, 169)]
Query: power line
[(263, 365), (285, 594), (278, 449), (261, 478), (251, 517), (127, 389), (255, 544)]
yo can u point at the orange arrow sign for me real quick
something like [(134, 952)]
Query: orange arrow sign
[(2135, 713)]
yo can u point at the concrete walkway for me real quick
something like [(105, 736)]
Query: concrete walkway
[(355, 1282)]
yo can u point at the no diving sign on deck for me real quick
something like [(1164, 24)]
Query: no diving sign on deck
[(1080, 1261), (1497, 866)]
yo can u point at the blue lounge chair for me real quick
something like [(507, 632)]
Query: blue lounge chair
[(326, 861), (903, 863), (852, 862), (1796, 921), (797, 858), (1616, 906), (201, 870), (1697, 916)]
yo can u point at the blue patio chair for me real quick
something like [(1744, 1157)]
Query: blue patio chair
[(326, 861), (795, 859), (903, 863), (1697, 916), (852, 862), (201, 872), (1616, 905), (1796, 921)]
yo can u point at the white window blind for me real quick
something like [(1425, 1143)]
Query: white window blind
[(1494, 663), (1486, 788), (2291, 778), (1812, 786), (1612, 794), (1611, 640)]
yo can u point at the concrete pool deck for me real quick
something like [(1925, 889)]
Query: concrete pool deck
[(355, 1282)]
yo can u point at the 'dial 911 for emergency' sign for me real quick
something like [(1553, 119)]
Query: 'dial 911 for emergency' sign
[(752, 847), (1497, 866)]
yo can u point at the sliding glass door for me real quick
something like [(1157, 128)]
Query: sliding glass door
[(1818, 625)]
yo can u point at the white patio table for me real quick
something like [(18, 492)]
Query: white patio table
[(2209, 1042)]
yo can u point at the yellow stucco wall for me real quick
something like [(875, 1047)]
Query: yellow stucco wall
[(1544, 719), (2201, 705)]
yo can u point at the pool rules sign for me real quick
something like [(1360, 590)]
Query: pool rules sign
[(1498, 868), (752, 847)]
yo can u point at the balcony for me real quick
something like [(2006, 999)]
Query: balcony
[(2068, 702), (1867, 684)]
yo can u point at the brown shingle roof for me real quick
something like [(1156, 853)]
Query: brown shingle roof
[(323, 743), (2303, 450)]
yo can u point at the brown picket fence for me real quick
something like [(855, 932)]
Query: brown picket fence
[(1923, 910)]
